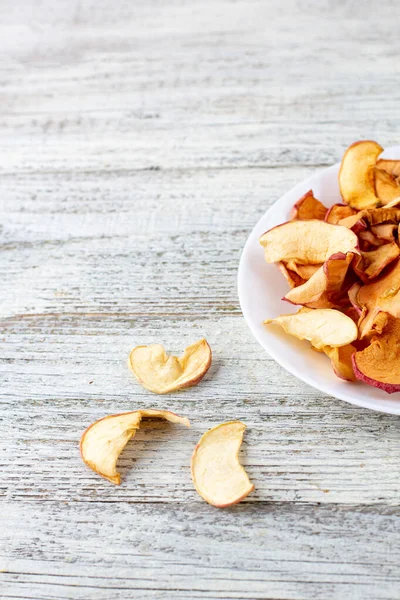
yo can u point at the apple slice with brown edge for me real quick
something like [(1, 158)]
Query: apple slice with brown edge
[(292, 278), (103, 442), (356, 175), (162, 374), (321, 326), (306, 242), (387, 187), (379, 364), (341, 361), (392, 167), (217, 474), (384, 231), (308, 207), (338, 212), (382, 294), (370, 264), (327, 280)]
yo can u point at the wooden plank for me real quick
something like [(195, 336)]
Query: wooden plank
[(266, 551)]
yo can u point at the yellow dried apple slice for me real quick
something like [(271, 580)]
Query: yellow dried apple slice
[(104, 440), (217, 474), (162, 374), (303, 271), (356, 175), (306, 242), (370, 264), (321, 326)]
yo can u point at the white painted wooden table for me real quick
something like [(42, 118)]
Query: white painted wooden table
[(140, 141)]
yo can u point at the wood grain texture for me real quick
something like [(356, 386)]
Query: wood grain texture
[(140, 143)]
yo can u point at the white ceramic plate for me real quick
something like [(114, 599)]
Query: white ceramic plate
[(261, 287)]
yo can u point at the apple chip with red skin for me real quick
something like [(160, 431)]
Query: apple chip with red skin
[(338, 212), (324, 283), (162, 374), (308, 207), (104, 440), (379, 363), (341, 361), (217, 474), (370, 264)]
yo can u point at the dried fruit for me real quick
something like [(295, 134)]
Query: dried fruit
[(381, 294), (306, 242), (356, 175), (341, 361), (327, 280), (104, 440), (217, 474), (338, 212), (387, 187), (322, 327), (370, 264), (162, 374), (379, 363), (308, 207)]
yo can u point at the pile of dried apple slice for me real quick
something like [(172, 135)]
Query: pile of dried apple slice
[(217, 474), (342, 266)]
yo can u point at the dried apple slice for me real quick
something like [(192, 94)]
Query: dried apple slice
[(303, 271), (162, 374), (386, 186), (384, 231), (327, 279), (217, 474), (379, 364), (356, 175), (383, 294), (104, 440), (392, 167), (338, 212), (308, 207), (341, 361), (370, 264), (291, 277), (306, 242), (322, 327)]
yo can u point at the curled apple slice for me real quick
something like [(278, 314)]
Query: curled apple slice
[(392, 167), (308, 207), (292, 278), (356, 175), (386, 186), (321, 326), (370, 264), (341, 361), (104, 440), (338, 212), (303, 271), (382, 294), (306, 242), (217, 474), (327, 280), (379, 364), (162, 374)]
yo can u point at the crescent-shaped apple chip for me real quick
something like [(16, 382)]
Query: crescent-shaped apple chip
[(356, 175), (161, 374), (306, 242), (217, 474), (321, 326), (103, 442)]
